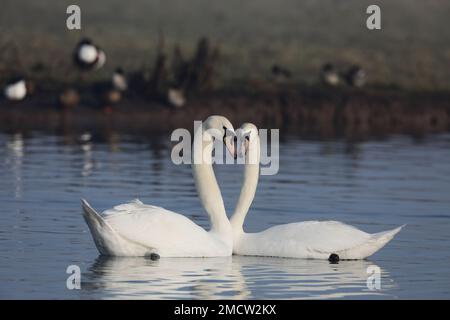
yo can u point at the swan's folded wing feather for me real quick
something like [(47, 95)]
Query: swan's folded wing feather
[(157, 227), (316, 236), (314, 239), (129, 207)]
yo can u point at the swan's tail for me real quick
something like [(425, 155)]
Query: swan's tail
[(375, 243), (380, 239), (102, 233), (386, 236)]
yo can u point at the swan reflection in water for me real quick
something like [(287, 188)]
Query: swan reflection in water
[(237, 277), (14, 158)]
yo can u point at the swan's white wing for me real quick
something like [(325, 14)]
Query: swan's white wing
[(170, 233), (314, 239), (321, 235), (315, 236)]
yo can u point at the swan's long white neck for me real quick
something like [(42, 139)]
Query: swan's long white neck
[(208, 190), (248, 189)]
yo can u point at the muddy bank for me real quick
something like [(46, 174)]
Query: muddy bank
[(314, 112)]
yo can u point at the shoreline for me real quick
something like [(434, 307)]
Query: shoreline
[(310, 111)]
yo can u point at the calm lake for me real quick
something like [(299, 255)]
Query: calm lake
[(375, 186)]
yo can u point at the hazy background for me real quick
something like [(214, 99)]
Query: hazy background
[(412, 50)]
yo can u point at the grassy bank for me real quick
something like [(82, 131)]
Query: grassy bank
[(411, 51)]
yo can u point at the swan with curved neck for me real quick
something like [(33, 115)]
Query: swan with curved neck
[(137, 229), (310, 239)]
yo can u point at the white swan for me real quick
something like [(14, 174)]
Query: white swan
[(311, 239), (137, 229)]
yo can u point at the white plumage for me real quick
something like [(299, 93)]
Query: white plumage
[(88, 56), (87, 53), (313, 240), (136, 229), (119, 80), (310, 239), (101, 59), (16, 90), (176, 97)]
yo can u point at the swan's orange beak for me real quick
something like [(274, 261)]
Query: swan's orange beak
[(230, 143)]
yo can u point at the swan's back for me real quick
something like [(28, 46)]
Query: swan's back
[(171, 233), (314, 239)]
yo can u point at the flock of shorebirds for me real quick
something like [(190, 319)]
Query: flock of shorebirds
[(88, 57), (355, 76)]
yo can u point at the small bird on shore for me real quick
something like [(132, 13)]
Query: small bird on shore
[(280, 74), (329, 76), (88, 56), (176, 98), (119, 81), (107, 96), (356, 76), (69, 98), (15, 89), (110, 93), (110, 97)]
